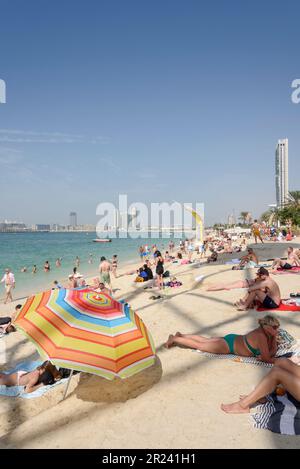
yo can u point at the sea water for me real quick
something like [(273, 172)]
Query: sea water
[(18, 250)]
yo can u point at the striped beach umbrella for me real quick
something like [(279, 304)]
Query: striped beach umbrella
[(87, 331)]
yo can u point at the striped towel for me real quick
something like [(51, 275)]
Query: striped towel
[(236, 358), (280, 414)]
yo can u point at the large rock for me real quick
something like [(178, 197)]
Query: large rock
[(93, 388)]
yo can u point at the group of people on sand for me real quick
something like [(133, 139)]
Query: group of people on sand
[(261, 343)]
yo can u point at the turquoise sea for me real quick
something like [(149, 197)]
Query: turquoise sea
[(26, 249)]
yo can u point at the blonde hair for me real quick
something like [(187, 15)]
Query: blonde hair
[(268, 320)]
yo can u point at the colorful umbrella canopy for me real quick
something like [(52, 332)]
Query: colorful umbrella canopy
[(87, 331)]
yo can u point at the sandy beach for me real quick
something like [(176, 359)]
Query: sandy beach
[(182, 407)]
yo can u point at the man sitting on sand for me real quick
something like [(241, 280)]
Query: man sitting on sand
[(292, 260), (265, 290), (99, 287)]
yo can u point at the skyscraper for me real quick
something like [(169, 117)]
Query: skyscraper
[(73, 219), (282, 172)]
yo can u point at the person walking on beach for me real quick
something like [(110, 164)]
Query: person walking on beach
[(264, 290), (90, 261), (47, 266), (260, 342), (256, 231), (34, 269), (159, 271), (104, 270), (114, 265), (141, 252), (292, 260), (9, 282)]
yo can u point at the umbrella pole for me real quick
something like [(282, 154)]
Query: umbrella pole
[(67, 386)]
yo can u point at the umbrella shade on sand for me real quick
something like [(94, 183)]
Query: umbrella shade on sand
[(87, 331)]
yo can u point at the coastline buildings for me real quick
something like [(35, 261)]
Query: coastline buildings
[(282, 172), (73, 219)]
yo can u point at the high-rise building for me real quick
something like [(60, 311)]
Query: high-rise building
[(282, 172), (73, 219), (117, 219), (132, 218)]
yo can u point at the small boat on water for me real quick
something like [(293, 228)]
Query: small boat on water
[(99, 240)]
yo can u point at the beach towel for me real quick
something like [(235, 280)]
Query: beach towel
[(282, 307), (18, 391), (280, 414), (236, 358), (233, 261), (293, 270)]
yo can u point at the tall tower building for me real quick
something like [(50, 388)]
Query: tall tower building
[(117, 219), (133, 216), (73, 219), (282, 172)]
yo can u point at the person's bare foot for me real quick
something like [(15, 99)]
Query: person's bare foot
[(235, 408), (170, 341), (263, 400), (238, 303)]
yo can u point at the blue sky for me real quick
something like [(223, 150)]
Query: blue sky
[(161, 100)]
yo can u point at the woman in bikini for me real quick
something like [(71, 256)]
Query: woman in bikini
[(31, 380), (260, 343)]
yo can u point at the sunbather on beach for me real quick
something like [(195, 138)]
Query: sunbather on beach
[(43, 375), (260, 342), (284, 372), (264, 290), (292, 260), (250, 260)]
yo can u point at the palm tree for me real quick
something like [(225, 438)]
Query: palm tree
[(294, 197)]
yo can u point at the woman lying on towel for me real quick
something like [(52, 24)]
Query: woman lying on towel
[(260, 343), (42, 376), (284, 372)]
